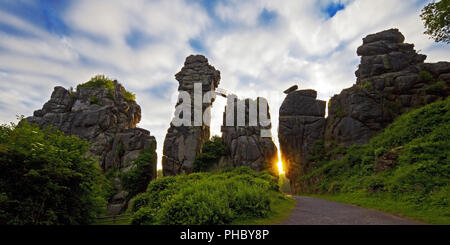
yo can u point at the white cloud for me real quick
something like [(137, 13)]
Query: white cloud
[(302, 45)]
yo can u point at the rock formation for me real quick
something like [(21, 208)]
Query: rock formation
[(108, 122), (106, 119), (391, 79), (247, 147), (183, 143), (301, 123)]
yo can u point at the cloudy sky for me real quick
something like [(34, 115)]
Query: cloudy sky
[(261, 47)]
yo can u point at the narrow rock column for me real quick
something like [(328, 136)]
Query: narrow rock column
[(301, 124), (183, 143), (250, 144)]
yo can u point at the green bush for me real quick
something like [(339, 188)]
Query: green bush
[(128, 96), (142, 171), (206, 198), (101, 81), (425, 76), (212, 151), (437, 88), (94, 100), (46, 178)]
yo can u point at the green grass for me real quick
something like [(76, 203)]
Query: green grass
[(415, 184)]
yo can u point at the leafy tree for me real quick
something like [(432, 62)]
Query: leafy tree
[(436, 17), (46, 178), (212, 151)]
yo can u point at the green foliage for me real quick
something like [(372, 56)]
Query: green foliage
[(420, 177), (142, 171), (46, 178), (212, 151), (437, 88), (366, 85), (94, 100), (206, 198), (436, 19), (101, 81), (109, 186), (425, 76), (128, 96), (98, 81), (340, 111)]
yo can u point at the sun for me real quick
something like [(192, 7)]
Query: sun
[(280, 164), (280, 167)]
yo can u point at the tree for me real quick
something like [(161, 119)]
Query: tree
[(436, 18), (46, 178)]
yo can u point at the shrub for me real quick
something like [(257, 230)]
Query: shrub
[(98, 81), (101, 81), (212, 151), (143, 216), (425, 76), (94, 100), (142, 171), (128, 96), (46, 178), (206, 198), (437, 88)]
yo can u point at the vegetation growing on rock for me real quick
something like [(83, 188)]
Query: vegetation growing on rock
[(408, 163), (141, 172), (101, 81), (212, 151)]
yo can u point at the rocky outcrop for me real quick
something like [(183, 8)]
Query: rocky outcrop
[(391, 79), (107, 120), (183, 143), (245, 142), (301, 123)]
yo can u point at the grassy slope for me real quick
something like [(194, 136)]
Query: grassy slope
[(418, 186)]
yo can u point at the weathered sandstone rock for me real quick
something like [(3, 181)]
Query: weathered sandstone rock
[(183, 143), (247, 147)]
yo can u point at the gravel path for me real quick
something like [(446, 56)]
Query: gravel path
[(316, 211)]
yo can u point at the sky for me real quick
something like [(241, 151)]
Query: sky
[(261, 48)]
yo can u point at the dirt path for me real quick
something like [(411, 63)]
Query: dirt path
[(315, 211)]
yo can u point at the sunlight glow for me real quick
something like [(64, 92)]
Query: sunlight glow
[(280, 164)]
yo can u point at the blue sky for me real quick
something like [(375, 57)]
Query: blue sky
[(261, 47)]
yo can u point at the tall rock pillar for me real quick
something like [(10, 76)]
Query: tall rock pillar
[(183, 143), (301, 123), (250, 144)]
